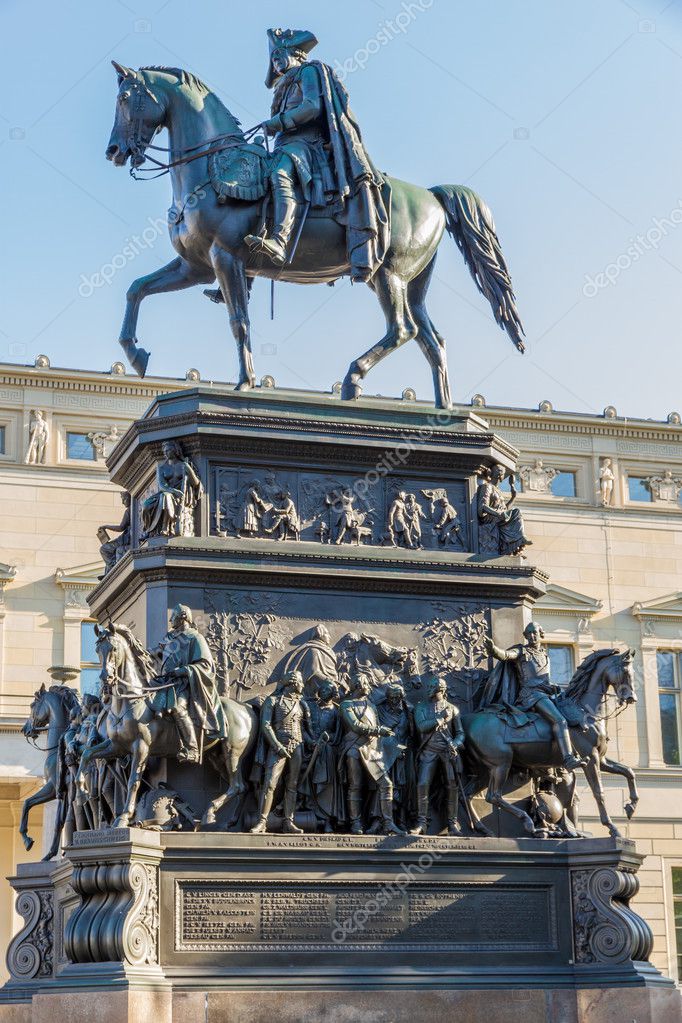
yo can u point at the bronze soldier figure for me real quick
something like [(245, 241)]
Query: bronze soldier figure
[(528, 687), (283, 732), (363, 754), (320, 784), (439, 725), (187, 687), (318, 147)]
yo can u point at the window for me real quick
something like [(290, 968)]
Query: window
[(677, 907), (80, 447), (90, 668), (638, 490), (560, 664), (3, 435), (668, 667), (563, 484)]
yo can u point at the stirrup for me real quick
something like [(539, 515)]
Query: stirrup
[(274, 250), (572, 762)]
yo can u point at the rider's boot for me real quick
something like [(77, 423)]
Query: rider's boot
[(388, 825), (454, 827), (189, 748), (288, 826), (284, 199), (570, 761), (422, 811), (355, 813)]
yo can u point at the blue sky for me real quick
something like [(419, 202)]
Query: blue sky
[(565, 118)]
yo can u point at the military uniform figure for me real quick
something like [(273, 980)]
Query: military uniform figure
[(529, 687), (283, 732), (321, 785), (318, 147), (439, 725), (364, 754)]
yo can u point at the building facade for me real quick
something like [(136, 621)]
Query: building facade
[(601, 498)]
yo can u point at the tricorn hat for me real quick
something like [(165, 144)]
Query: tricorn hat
[(296, 40)]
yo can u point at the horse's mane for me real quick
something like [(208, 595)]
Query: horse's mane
[(143, 659), (67, 695), (190, 79), (579, 684)]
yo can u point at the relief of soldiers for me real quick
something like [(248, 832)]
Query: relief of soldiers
[(252, 511), (522, 682), (170, 510), (502, 528), (321, 785), (366, 758), (187, 686), (112, 550), (439, 726), (349, 521), (318, 157), (283, 732), (445, 518), (414, 515), (399, 522)]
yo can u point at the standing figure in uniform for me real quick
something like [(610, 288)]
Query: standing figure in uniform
[(187, 686), (321, 785), (282, 732), (365, 756), (439, 726), (527, 686)]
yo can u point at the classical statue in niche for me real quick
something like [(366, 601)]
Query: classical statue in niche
[(606, 481), (444, 518), (169, 511), (666, 488), (501, 526), (366, 758), (280, 751), (441, 737), (113, 548), (38, 436), (537, 478)]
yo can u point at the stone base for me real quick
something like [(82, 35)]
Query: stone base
[(604, 1005)]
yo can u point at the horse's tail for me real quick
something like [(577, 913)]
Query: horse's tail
[(469, 221)]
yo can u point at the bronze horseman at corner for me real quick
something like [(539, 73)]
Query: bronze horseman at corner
[(312, 211)]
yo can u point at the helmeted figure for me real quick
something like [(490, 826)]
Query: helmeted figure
[(439, 726), (363, 754), (522, 682), (282, 734), (187, 686), (318, 147)]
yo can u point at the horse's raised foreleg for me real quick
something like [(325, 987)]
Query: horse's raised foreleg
[(593, 776), (613, 767), (231, 274), (43, 795), (175, 276), (498, 777), (139, 755), (391, 290)]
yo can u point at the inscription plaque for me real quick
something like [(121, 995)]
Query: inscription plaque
[(241, 916)]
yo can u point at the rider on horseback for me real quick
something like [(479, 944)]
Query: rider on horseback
[(318, 147), (528, 687), (187, 687)]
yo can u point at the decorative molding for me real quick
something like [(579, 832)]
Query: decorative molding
[(7, 575), (605, 928), (77, 583), (661, 609), (561, 600), (30, 953)]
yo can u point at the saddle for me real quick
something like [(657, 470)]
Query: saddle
[(239, 172), (529, 726)]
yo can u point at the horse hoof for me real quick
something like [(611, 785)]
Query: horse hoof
[(139, 361), (121, 822), (350, 389), (245, 385), (28, 843), (629, 810)]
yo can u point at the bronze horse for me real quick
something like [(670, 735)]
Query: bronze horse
[(209, 238), (490, 740), (133, 727)]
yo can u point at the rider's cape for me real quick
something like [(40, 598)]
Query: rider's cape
[(501, 690)]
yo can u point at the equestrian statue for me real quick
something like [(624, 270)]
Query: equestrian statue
[(311, 210)]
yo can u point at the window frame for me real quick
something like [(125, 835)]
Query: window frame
[(676, 691), (565, 646), (86, 665)]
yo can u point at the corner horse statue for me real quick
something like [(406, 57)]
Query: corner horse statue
[(497, 743), (134, 727), (333, 213)]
